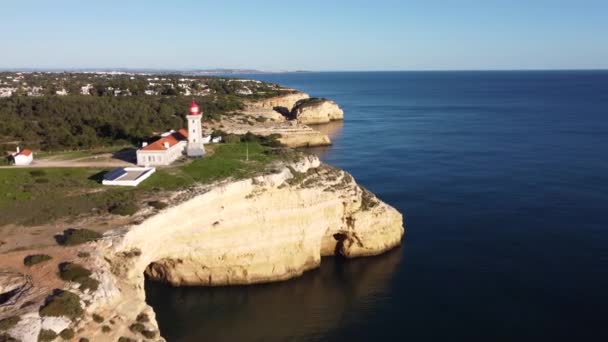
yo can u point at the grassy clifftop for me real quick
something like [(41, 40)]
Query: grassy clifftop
[(44, 195)]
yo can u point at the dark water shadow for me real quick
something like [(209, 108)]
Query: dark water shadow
[(299, 309), (333, 130)]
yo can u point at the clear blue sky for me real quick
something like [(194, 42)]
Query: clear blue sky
[(309, 35)]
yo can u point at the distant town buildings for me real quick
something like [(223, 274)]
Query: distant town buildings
[(35, 91), (119, 84), (86, 90), (7, 92)]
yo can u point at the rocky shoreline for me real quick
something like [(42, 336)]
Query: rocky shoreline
[(272, 227), (288, 116)]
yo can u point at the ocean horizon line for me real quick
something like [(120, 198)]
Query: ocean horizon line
[(225, 71)]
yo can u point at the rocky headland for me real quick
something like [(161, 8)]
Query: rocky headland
[(270, 227), (288, 116)]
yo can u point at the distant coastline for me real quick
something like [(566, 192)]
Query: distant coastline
[(185, 72), (239, 72)]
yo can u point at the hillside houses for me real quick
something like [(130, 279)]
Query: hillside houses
[(123, 84), (7, 91)]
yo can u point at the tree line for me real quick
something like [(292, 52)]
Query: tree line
[(83, 122)]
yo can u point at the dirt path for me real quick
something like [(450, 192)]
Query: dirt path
[(99, 161)]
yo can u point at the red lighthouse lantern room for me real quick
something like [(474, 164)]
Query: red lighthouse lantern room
[(194, 110)]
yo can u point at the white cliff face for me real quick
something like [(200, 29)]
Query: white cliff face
[(272, 116), (287, 101), (268, 228), (317, 111), (264, 229)]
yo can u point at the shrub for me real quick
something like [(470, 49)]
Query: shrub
[(83, 339), (67, 334), (218, 133), (158, 205), (271, 140), (38, 173), (137, 327), (34, 259), (46, 335), (123, 208), (98, 318), (135, 252), (88, 284), (7, 338), (125, 339), (143, 318), (62, 303), (9, 322), (149, 333), (42, 180), (106, 329), (84, 254), (73, 272), (73, 237), (231, 139), (313, 101)]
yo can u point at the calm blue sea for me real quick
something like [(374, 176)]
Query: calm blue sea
[(503, 181)]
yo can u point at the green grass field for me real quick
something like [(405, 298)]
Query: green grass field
[(69, 155), (31, 196)]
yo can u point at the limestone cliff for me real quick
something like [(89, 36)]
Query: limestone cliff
[(287, 101), (286, 115), (316, 111), (269, 228)]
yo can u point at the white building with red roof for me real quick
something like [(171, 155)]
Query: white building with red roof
[(25, 157), (172, 145)]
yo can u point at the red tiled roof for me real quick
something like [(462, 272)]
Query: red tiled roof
[(184, 133), (159, 145), (25, 152)]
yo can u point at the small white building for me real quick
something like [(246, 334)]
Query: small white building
[(7, 91), (35, 91), (86, 90), (127, 176), (22, 158)]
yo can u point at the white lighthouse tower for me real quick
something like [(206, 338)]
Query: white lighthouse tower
[(195, 133)]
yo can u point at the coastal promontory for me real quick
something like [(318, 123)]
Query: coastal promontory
[(74, 254)]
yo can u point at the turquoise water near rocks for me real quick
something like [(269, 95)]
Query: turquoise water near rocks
[(503, 180)]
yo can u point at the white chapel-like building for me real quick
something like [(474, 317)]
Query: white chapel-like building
[(22, 158), (173, 144)]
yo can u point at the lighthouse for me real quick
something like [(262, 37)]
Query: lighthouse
[(195, 146)]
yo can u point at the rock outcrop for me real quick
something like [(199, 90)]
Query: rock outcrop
[(287, 101), (316, 111), (269, 228), (287, 115), (12, 283)]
